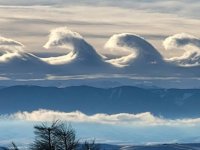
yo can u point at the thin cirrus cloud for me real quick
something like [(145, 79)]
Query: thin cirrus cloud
[(143, 119), (170, 6)]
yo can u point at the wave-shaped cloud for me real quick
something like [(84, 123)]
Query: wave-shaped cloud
[(4, 42), (141, 51), (9, 48), (82, 58), (65, 38), (144, 119), (81, 55), (80, 49), (14, 59), (191, 46)]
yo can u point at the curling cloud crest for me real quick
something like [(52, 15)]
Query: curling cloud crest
[(191, 46), (9, 48), (9, 45), (4, 42), (13, 59), (65, 38), (140, 50), (117, 119)]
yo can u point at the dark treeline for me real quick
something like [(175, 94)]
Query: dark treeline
[(57, 136)]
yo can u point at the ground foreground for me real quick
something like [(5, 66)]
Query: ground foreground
[(155, 147), (176, 146)]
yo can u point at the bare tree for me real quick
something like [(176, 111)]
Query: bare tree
[(66, 137), (57, 136), (45, 139), (13, 146), (90, 145)]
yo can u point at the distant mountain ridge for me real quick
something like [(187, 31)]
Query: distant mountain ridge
[(173, 103), (161, 147), (193, 146)]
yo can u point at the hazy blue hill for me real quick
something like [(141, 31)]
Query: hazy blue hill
[(166, 102), (165, 147), (150, 147), (195, 146), (191, 146)]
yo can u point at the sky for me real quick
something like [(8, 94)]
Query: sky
[(31, 22)]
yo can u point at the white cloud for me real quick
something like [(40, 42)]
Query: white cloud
[(142, 119), (84, 59), (182, 40), (189, 44), (8, 56), (64, 38), (140, 49), (24, 24), (183, 7), (14, 59), (9, 42), (9, 48), (8, 45)]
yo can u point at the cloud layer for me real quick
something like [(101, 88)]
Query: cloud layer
[(174, 6), (142, 119), (122, 128), (82, 58)]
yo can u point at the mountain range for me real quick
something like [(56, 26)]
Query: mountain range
[(170, 103)]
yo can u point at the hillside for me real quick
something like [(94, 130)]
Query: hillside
[(173, 103)]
